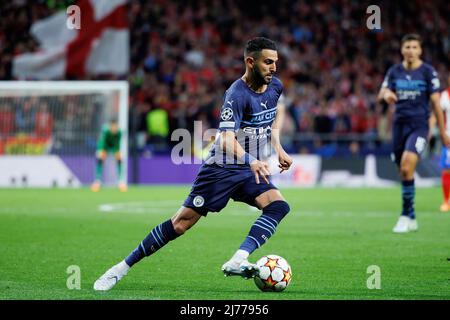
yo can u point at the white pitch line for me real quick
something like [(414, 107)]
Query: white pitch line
[(164, 206), (140, 207)]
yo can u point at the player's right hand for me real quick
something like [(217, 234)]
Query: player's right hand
[(390, 97), (260, 168)]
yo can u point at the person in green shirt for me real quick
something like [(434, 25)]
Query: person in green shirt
[(109, 142)]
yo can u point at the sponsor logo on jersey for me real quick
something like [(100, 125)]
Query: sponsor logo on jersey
[(253, 130), (409, 84), (409, 89), (262, 117), (257, 133)]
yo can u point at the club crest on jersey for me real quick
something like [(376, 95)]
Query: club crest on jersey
[(226, 114), (198, 201)]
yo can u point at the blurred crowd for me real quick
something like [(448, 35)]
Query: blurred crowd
[(184, 55), (65, 123)]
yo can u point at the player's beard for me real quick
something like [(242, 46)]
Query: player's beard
[(259, 77)]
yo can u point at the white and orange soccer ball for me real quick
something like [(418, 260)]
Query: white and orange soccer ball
[(275, 273)]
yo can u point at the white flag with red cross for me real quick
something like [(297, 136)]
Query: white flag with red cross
[(99, 46)]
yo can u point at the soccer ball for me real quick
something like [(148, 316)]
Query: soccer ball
[(275, 273)]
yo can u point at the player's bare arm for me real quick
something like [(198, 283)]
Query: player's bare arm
[(285, 161), (435, 103), (432, 123), (232, 147)]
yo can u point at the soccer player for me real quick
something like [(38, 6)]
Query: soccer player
[(411, 85), (235, 168), (445, 152), (109, 142)]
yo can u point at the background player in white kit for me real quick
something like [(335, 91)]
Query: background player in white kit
[(445, 152)]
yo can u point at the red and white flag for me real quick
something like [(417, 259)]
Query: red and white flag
[(100, 46)]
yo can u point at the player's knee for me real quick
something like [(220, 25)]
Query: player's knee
[(181, 225), (184, 219), (405, 169), (179, 228), (277, 209), (403, 174)]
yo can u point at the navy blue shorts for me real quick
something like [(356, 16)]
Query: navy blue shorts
[(215, 185), (408, 137)]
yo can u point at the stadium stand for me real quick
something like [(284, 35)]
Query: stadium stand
[(185, 54)]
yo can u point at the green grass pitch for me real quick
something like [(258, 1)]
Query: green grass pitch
[(330, 238)]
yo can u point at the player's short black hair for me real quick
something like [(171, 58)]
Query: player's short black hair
[(256, 45), (411, 37)]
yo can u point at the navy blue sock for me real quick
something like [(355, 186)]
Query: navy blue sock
[(265, 226), (408, 194), (155, 240)]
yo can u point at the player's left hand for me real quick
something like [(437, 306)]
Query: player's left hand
[(445, 140), (285, 161)]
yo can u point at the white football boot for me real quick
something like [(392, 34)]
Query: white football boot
[(402, 225), (413, 225), (405, 224), (110, 278), (244, 269)]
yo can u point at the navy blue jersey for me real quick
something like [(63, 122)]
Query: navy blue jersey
[(413, 89), (250, 115)]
